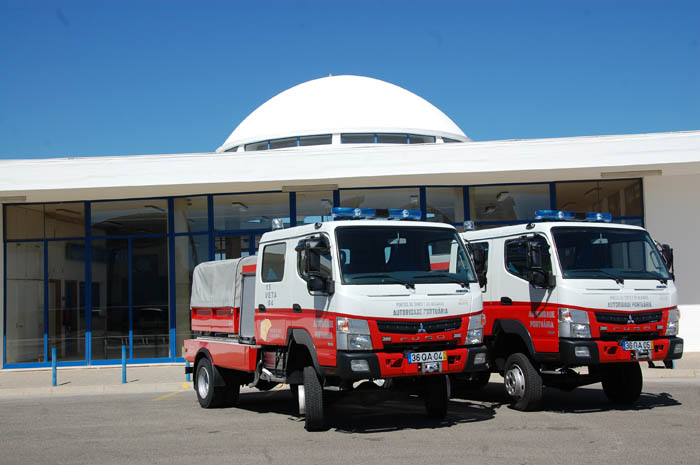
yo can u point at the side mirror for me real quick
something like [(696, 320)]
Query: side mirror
[(479, 257), (667, 256), (534, 255), (540, 278), (481, 276), (536, 274), (318, 283)]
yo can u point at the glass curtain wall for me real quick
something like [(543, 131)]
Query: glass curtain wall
[(128, 282)]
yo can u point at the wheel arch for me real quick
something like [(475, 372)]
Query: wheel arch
[(301, 351), (219, 379)]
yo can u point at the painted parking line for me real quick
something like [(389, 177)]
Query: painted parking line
[(185, 387)]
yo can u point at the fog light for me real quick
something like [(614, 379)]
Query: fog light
[(582, 352), (678, 349), (480, 358), (359, 365)]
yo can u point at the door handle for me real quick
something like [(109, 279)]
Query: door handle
[(261, 308), (506, 301), (296, 308)]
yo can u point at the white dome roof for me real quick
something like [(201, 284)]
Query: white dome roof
[(343, 104)]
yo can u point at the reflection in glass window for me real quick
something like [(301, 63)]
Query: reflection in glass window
[(149, 216), (407, 197), (24, 221), (257, 146), (190, 251), (24, 311), (230, 247), (445, 204), (66, 311), (619, 198), (314, 207), (191, 214), (507, 202), (283, 143), (357, 138), (249, 211), (392, 139), (315, 140), (415, 139)]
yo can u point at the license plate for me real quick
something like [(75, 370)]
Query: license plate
[(424, 357), (640, 346)]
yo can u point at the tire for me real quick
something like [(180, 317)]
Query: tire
[(437, 396), (208, 395), (294, 391), (523, 383), (313, 401), (622, 383)]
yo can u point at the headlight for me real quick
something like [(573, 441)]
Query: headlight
[(475, 333), (672, 326), (352, 334), (574, 323)]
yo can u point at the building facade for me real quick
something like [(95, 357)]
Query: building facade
[(98, 253)]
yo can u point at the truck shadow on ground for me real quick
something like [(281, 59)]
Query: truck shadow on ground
[(351, 417), (589, 399)]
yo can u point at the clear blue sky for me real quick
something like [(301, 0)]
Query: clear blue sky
[(84, 78)]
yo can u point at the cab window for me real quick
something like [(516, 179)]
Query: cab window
[(273, 263), (516, 256)]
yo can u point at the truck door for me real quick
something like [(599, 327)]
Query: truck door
[(272, 295), (533, 306)]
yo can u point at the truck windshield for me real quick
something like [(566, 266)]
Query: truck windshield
[(608, 253), (402, 255)]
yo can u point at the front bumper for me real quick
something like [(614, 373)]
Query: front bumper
[(612, 352), (395, 364)]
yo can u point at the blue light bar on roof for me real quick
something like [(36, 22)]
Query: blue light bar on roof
[(350, 213), (561, 215), (597, 216)]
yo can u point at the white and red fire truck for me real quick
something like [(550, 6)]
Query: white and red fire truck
[(326, 305), (569, 292)]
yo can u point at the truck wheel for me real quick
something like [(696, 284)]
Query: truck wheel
[(207, 394), (523, 383), (622, 383), (295, 389), (313, 400), (437, 396)]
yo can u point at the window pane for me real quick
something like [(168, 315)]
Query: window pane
[(249, 211), (24, 221), (191, 214), (229, 247), (445, 204), (283, 143), (24, 318), (392, 139), (150, 314), (273, 263), (357, 138), (414, 139), (620, 198), (110, 317), (67, 299), (129, 217), (381, 198), (64, 220), (190, 251), (313, 207), (315, 140), (257, 146), (448, 140), (507, 202)]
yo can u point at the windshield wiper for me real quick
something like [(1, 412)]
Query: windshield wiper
[(617, 279), (441, 275), (654, 274), (408, 284)]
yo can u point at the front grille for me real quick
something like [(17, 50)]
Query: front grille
[(420, 347), (635, 336), (411, 327), (623, 318)]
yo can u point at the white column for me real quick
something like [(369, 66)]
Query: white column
[(2, 285), (671, 217)]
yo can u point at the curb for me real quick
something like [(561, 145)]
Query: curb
[(64, 391)]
